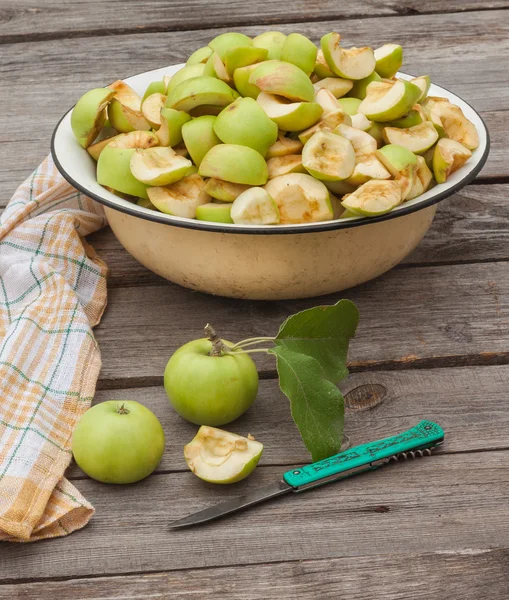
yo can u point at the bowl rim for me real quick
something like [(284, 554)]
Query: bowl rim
[(300, 228)]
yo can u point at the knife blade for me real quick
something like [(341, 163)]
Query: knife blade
[(415, 442)]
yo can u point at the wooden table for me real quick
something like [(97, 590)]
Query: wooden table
[(432, 340)]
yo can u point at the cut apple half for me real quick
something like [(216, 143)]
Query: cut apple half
[(282, 165), (386, 101), (225, 191), (363, 143), (288, 115), (235, 163), (326, 100), (417, 139), (300, 198), (181, 198), (151, 108), (284, 146), (375, 197), (328, 122), (449, 156), (328, 156), (389, 59), (159, 166), (254, 207), (215, 212), (125, 112), (218, 456), (337, 87), (354, 63)]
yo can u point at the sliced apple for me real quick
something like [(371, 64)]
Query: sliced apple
[(199, 56), (449, 156), (245, 122), (337, 87), (218, 456), (396, 159), (226, 191), (326, 100), (254, 207), (151, 108), (272, 41), (159, 166), (288, 115), (415, 116), (181, 198), (215, 67), (369, 168), (135, 139), (360, 121), (199, 91), (114, 171), (423, 82), (422, 179), (170, 132), (328, 122), (375, 197), (300, 51), (388, 101), (300, 198), (283, 79), (235, 163), (389, 59), (359, 89), (328, 156), (187, 72), (243, 56), (89, 115), (322, 69), (145, 202), (95, 149), (125, 112), (215, 212), (340, 187), (350, 105), (227, 41), (456, 125), (375, 130), (282, 165), (284, 146), (354, 63), (363, 143), (156, 87), (417, 139), (241, 80), (199, 137)]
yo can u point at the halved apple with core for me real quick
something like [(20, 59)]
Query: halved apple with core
[(417, 139), (199, 137), (288, 115), (354, 63), (89, 115), (254, 207), (170, 132), (199, 91), (181, 198), (215, 212), (389, 59), (375, 197), (300, 51), (449, 156), (283, 79), (159, 166), (388, 101), (226, 191), (328, 156), (235, 163)]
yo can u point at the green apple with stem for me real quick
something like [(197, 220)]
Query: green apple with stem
[(288, 115), (199, 56), (449, 156), (241, 80), (245, 122), (300, 198), (353, 63), (300, 51), (388, 101), (170, 131), (159, 166), (272, 41), (218, 456), (89, 115), (417, 139), (359, 88), (199, 137), (235, 163), (216, 212), (283, 79), (227, 41), (282, 165), (328, 156), (187, 72), (225, 191), (254, 207), (389, 59), (328, 122), (284, 146), (200, 91), (181, 198), (337, 87)]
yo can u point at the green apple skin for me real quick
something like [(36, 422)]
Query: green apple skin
[(156, 87), (214, 212), (396, 158), (423, 82), (413, 117), (187, 72), (118, 441), (172, 121), (200, 56), (301, 116), (199, 91), (244, 122), (88, 116), (350, 105), (388, 64), (225, 191), (210, 390), (395, 111), (359, 89), (300, 51), (272, 41), (243, 56), (241, 80), (238, 164), (114, 171), (227, 41), (337, 87), (199, 137), (283, 79)]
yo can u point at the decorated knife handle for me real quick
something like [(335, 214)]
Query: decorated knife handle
[(423, 436)]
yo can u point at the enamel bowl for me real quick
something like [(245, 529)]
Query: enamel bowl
[(264, 262)]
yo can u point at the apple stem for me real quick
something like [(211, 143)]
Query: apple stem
[(122, 410), (217, 345), (240, 351), (252, 342)]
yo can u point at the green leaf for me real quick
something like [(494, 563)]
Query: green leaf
[(316, 403), (322, 332)]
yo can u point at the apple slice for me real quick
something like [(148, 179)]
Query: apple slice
[(300, 198), (337, 87), (363, 143), (254, 207), (215, 67), (243, 56), (456, 125), (272, 41), (114, 171), (181, 198), (369, 168), (422, 179), (156, 87), (226, 191), (241, 80), (396, 159), (235, 163), (215, 212), (282, 165), (327, 101), (159, 166), (124, 112), (151, 108), (375, 197), (145, 202), (187, 72), (199, 137), (328, 122), (355, 63), (284, 146), (289, 116), (340, 188), (95, 149), (389, 59), (350, 105), (423, 82), (217, 456), (328, 156), (360, 121), (417, 139), (227, 41), (449, 156), (89, 115), (415, 116), (170, 132), (300, 51), (283, 79), (199, 91), (388, 101), (322, 69), (199, 56), (360, 87)]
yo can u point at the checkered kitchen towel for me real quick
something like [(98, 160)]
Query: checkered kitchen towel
[(52, 292)]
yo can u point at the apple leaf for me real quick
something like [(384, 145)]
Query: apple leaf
[(322, 332), (316, 403)]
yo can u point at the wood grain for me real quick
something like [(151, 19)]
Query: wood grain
[(446, 502), (61, 70), (20, 19), (472, 574)]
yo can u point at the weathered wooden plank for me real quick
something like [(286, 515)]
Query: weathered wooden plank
[(466, 574), (470, 403), (61, 70), (442, 312), (446, 502), (51, 18)]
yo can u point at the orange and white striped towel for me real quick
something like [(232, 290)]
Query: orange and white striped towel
[(52, 292)]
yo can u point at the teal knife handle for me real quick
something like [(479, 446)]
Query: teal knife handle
[(424, 435)]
